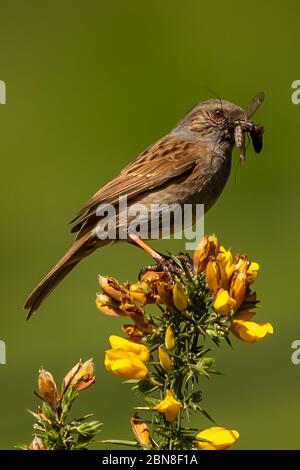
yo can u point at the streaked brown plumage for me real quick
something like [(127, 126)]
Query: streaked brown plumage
[(191, 165)]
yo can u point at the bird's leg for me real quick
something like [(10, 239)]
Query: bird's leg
[(163, 263), (150, 251)]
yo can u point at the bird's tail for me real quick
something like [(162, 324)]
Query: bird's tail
[(79, 250)]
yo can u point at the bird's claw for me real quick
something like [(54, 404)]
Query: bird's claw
[(167, 265)]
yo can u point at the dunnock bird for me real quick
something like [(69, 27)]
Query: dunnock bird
[(190, 165)]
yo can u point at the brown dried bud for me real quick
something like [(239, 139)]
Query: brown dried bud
[(140, 431), (81, 376), (37, 444), (47, 388)]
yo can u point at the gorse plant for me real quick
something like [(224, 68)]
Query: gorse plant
[(200, 301), (165, 355), (53, 430)]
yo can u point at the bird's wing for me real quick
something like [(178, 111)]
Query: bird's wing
[(168, 158)]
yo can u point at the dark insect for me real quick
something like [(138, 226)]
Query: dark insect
[(256, 133)]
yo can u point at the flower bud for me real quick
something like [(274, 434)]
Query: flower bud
[(164, 360), (37, 444), (179, 297), (81, 376), (108, 306), (213, 276), (47, 388), (170, 339), (111, 287)]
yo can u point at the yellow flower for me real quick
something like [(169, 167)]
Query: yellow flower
[(47, 387), (216, 438), (169, 406), (207, 248), (170, 339), (179, 297), (224, 304), (247, 330), (126, 364), (219, 271), (164, 359), (139, 350)]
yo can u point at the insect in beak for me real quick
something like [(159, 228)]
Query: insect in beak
[(242, 126)]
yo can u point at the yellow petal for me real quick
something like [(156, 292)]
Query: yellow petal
[(218, 438), (224, 304), (125, 364), (250, 331), (141, 351), (254, 266), (252, 271)]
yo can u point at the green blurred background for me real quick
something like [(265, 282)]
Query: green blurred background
[(91, 84)]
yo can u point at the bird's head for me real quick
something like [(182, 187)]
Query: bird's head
[(215, 121)]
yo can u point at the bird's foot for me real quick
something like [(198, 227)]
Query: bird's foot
[(168, 265)]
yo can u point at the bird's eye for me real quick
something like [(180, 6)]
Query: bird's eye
[(218, 113)]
